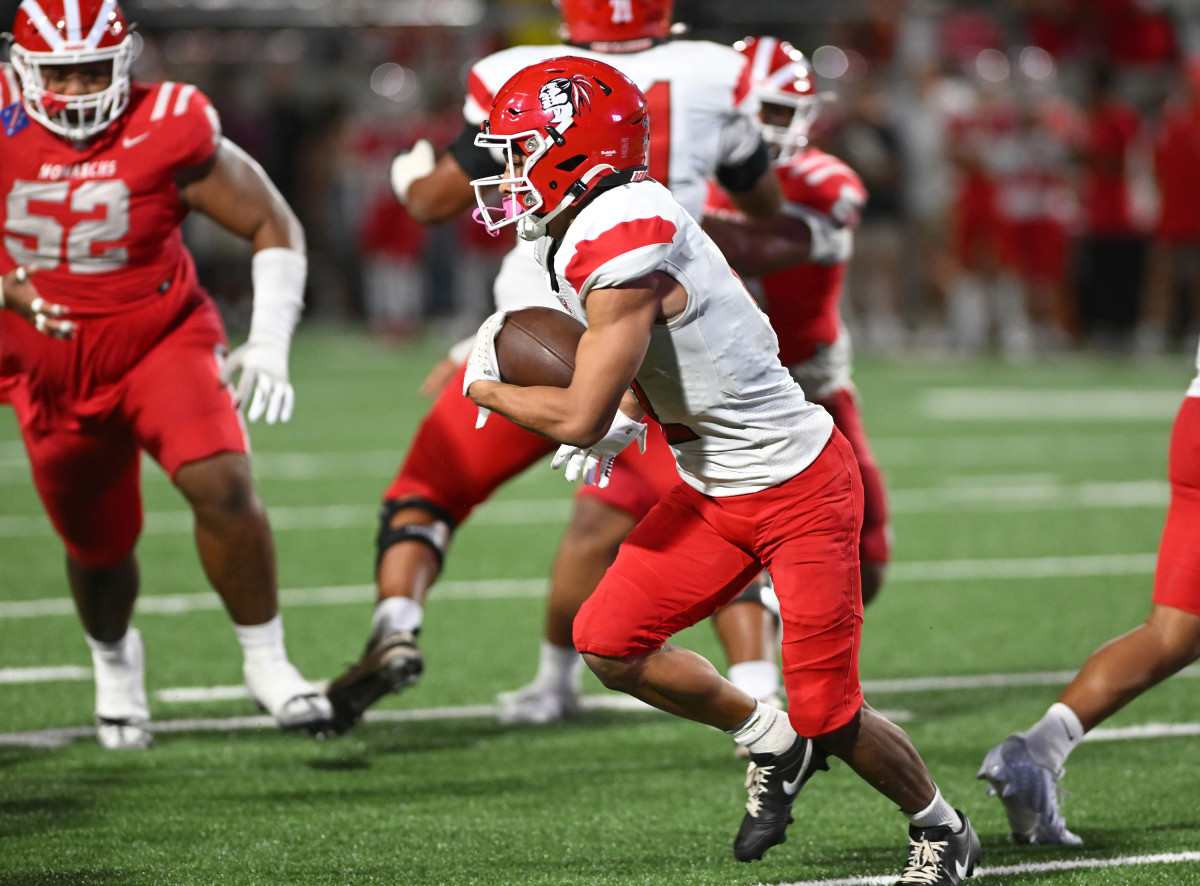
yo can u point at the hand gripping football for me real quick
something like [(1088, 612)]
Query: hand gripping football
[(536, 346)]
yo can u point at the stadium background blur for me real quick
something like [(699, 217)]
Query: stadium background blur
[(1038, 153)]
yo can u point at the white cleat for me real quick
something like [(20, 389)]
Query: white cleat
[(537, 704), (122, 713), (1029, 792), (296, 704)]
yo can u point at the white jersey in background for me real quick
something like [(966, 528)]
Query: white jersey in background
[(693, 89), (734, 417)]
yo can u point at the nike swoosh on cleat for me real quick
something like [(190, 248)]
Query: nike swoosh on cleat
[(791, 787), (960, 869), (128, 142)]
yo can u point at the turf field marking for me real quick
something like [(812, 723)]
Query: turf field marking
[(1085, 566), (1032, 867), (44, 675), (1063, 404), (1032, 495)]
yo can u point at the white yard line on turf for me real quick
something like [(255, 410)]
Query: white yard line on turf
[(44, 675), (1032, 867), (519, 588), (1054, 495)]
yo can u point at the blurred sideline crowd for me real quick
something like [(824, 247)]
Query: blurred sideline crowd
[(1031, 169)]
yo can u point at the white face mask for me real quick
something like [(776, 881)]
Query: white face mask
[(74, 117)]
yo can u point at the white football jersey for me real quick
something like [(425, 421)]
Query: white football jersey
[(692, 87), (733, 415)]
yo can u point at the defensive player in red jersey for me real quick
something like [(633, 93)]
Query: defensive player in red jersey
[(1024, 769), (766, 480), (451, 467), (109, 346), (800, 262)]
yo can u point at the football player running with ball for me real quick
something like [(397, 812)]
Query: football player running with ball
[(451, 467), (110, 347), (767, 480)]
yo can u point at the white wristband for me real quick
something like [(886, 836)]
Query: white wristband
[(278, 275)]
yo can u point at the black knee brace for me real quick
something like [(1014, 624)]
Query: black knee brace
[(430, 536)]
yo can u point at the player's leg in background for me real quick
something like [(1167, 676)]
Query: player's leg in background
[(451, 467), (89, 484), (1025, 768), (200, 442), (587, 549), (600, 521), (875, 542)]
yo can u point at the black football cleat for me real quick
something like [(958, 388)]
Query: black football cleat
[(773, 781), (390, 663), (940, 856)]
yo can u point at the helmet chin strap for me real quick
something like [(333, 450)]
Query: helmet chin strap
[(534, 227)]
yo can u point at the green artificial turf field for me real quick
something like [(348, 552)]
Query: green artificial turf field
[(1027, 507)]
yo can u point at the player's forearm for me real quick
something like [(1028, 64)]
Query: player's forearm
[(553, 413), (754, 249)]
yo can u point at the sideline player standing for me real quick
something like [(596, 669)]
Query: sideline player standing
[(1025, 768), (450, 467), (768, 482), (108, 345)]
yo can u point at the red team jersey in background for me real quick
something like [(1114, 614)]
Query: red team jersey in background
[(101, 222), (802, 301)]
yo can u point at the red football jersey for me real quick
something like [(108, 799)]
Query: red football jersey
[(802, 301), (102, 220)]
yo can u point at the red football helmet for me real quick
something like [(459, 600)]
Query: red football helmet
[(783, 83), (53, 33), (561, 126), (615, 25)]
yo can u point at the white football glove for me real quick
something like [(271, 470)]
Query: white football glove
[(481, 362), (595, 463), (832, 243), (409, 166), (263, 381), (260, 366)]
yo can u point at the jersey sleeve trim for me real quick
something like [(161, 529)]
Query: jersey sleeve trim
[(622, 253)]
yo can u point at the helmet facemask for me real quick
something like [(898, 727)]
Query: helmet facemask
[(786, 121), (519, 151), (74, 117), (521, 205)]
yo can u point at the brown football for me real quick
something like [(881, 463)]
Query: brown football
[(536, 346)]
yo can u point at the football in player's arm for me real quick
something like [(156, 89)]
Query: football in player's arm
[(767, 480)]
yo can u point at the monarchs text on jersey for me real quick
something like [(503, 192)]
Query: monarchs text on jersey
[(101, 220)]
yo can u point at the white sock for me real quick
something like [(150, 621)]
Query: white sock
[(262, 644), (109, 653), (937, 814), (395, 614), (759, 679), (766, 731), (1051, 739), (559, 666)]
